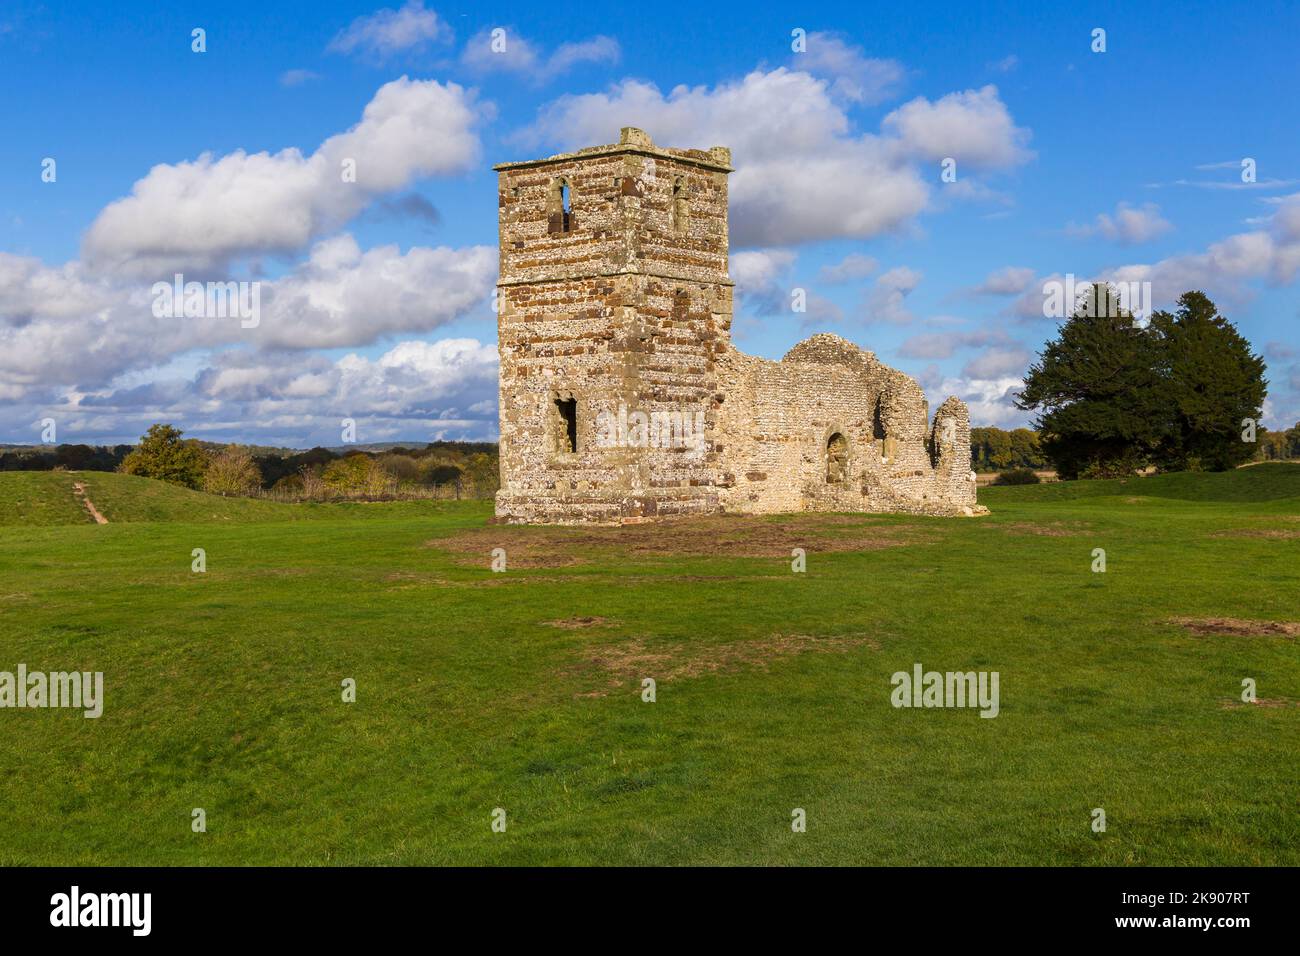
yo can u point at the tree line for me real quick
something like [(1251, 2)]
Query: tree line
[(1279, 445), (437, 469), (996, 449), (436, 464)]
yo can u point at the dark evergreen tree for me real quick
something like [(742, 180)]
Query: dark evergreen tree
[(1101, 400), (1215, 388)]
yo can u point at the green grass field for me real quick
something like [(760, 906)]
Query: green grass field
[(773, 688)]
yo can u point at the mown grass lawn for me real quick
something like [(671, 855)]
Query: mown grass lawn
[(773, 688)]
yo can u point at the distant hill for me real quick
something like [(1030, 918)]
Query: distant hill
[(50, 498), (45, 498)]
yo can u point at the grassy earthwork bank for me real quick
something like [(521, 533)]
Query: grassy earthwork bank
[(522, 689)]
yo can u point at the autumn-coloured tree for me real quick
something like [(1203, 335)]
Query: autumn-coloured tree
[(163, 455), (231, 471)]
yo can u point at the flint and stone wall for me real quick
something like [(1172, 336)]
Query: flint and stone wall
[(614, 296), (829, 428)]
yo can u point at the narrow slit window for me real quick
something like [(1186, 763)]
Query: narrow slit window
[(681, 209), (560, 211), (567, 422)]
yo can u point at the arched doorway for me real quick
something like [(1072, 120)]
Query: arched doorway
[(837, 459)]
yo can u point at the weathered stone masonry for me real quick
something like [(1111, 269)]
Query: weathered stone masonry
[(622, 396)]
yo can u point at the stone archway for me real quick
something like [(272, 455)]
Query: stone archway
[(837, 459)]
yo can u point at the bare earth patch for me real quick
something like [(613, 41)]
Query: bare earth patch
[(412, 581), (474, 549), (631, 661), (733, 536), (1046, 529), (1268, 703), (1237, 627), (573, 623), (1257, 533)]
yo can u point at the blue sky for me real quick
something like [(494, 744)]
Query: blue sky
[(1119, 164)]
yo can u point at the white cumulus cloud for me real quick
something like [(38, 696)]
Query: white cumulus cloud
[(973, 127), (381, 35), (201, 214), (1011, 280), (852, 267), (854, 76), (1127, 225), (512, 53), (803, 173), (887, 300)]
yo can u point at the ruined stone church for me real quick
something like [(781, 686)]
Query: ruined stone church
[(622, 396)]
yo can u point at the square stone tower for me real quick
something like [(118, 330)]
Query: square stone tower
[(614, 308)]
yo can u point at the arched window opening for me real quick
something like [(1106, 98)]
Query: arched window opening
[(837, 459)]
